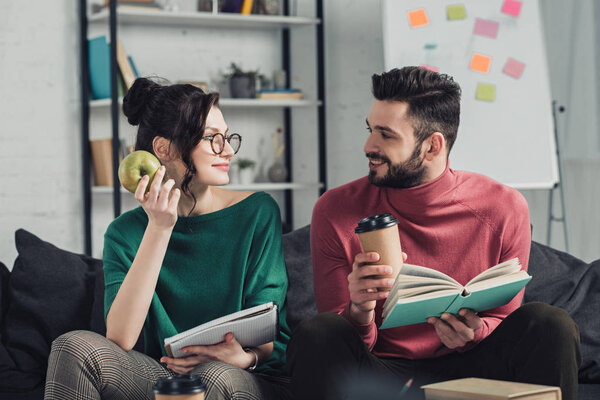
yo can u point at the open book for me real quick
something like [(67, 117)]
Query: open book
[(251, 327), (419, 293)]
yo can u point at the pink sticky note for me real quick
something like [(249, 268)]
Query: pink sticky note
[(429, 67), (513, 68), (486, 27), (512, 7)]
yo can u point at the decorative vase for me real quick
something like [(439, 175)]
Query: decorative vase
[(277, 172)]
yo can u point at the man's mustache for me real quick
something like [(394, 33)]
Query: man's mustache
[(376, 156)]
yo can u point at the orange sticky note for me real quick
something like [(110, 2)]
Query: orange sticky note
[(418, 17), (481, 63)]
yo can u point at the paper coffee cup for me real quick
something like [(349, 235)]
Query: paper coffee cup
[(179, 387), (379, 233)]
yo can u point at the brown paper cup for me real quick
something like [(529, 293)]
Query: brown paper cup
[(385, 242), (179, 387), (194, 396)]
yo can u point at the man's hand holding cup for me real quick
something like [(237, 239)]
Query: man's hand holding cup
[(374, 270)]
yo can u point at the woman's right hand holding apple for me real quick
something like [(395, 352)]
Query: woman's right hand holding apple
[(158, 202)]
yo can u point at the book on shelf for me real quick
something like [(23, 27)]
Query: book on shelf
[(99, 67), (230, 6), (280, 94), (251, 327), (133, 67), (124, 65), (101, 150), (419, 292), (489, 389), (247, 7)]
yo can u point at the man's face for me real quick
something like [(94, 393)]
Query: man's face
[(394, 159)]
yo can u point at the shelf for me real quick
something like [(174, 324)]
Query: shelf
[(227, 102), (267, 186), (158, 17)]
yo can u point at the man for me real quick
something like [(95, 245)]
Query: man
[(457, 222)]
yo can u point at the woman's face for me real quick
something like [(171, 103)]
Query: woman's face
[(211, 168)]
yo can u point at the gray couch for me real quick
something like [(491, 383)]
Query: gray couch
[(51, 291), (558, 279)]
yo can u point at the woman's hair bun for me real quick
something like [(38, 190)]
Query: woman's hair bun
[(137, 99)]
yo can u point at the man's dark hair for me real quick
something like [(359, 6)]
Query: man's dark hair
[(433, 100)]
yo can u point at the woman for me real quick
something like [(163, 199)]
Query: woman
[(191, 253)]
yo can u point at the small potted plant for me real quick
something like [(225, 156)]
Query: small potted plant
[(242, 84), (245, 168)]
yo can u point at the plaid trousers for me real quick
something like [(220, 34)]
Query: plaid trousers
[(84, 366)]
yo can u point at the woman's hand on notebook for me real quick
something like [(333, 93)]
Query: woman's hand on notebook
[(228, 351)]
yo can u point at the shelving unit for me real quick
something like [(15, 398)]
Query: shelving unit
[(204, 19), (227, 102), (151, 19)]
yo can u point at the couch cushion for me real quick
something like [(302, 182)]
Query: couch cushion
[(573, 285), (300, 296), (6, 362), (51, 291)]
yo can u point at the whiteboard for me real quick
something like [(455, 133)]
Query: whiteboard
[(510, 139)]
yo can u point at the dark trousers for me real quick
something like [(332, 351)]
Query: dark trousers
[(537, 343)]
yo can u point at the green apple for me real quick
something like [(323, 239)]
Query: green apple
[(135, 166)]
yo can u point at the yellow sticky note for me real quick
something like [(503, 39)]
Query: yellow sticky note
[(480, 63), (418, 17), (486, 92), (455, 12)]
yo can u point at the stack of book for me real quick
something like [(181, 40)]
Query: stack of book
[(280, 94)]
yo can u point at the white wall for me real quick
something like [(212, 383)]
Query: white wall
[(354, 52), (40, 182), (40, 179)]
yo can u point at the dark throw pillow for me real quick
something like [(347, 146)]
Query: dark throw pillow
[(571, 284), (300, 296), (51, 292)]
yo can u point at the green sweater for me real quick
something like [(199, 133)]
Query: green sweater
[(215, 264)]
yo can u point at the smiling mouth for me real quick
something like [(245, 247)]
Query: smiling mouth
[(221, 166)]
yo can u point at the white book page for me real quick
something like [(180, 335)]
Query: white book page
[(414, 292), (417, 270), (506, 268), (496, 281)]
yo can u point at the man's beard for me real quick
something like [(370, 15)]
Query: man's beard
[(408, 174)]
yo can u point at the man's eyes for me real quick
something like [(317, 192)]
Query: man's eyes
[(382, 133)]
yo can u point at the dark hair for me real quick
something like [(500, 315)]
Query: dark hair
[(433, 100), (175, 112)]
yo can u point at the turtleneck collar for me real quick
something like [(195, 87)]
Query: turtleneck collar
[(422, 197)]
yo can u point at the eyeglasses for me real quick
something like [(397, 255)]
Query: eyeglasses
[(217, 142)]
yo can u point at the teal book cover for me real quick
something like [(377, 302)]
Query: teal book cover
[(99, 67), (407, 312), (488, 298), (417, 311)]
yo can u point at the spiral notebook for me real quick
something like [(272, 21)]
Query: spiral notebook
[(251, 327)]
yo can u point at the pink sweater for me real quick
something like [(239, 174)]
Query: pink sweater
[(460, 224)]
